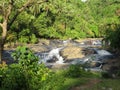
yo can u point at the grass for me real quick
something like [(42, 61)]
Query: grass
[(107, 84), (70, 82), (73, 82), (102, 84), (70, 78)]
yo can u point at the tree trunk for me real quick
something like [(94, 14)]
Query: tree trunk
[(3, 37), (0, 51)]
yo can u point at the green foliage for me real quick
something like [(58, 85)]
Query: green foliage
[(74, 34), (95, 31), (13, 78), (17, 77), (25, 56), (1, 19), (11, 37), (106, 84), (24, 39), (33, 39), (27, 74), (76, 71), (22, 29), (63, 19), (25, 36), (114, 39), (113, 35)]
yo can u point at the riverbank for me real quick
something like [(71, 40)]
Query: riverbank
[(74, 52), (70, 52)]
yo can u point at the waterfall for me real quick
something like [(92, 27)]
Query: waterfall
[(49, 56)]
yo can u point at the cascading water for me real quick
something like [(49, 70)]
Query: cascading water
[(98, 57), (55, 52), (49, 56), (103, 52)]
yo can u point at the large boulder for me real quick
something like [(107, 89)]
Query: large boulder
[(72, 52), (42, 46), (88, 51), (112, 66)]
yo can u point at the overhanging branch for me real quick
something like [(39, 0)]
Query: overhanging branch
[(26, 5)]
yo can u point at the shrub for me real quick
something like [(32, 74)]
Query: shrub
[(113, 36), (27, 36), (27, 74), (13, 78), (74, 71), (33, 39)]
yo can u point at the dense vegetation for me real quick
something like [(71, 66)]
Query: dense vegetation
[(65, 19), (55, 19), (28, 74)]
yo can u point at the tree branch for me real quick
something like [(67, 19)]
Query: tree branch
[(9, 11), (13, 19), (26, 5), (29, 4)]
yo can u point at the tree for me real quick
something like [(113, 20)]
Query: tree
[(7, 7)]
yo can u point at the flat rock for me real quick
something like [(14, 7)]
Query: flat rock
[(72, 52)]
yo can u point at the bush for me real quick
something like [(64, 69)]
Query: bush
[(113, 36), (33, 39), (14, 78), (27, 36), (25, 56), (76, 71), (18, 78), (27, 74)]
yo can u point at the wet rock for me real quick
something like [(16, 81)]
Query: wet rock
[(53, 60), (60, 66), (112, 63), (72, 52), (38, 48), (76, 61), (112, 66), (87, 51), (103, 52), (94, 64), (44, 42), (7, 57), (56, 43)]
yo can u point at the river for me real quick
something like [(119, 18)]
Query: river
[(87, 52)]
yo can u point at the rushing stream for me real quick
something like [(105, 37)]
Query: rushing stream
[(53, 56), (92, 61)]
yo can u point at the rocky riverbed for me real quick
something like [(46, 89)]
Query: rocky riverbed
[(62, 53)]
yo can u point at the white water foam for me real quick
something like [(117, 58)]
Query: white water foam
[(53, 53), (103, 52)]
